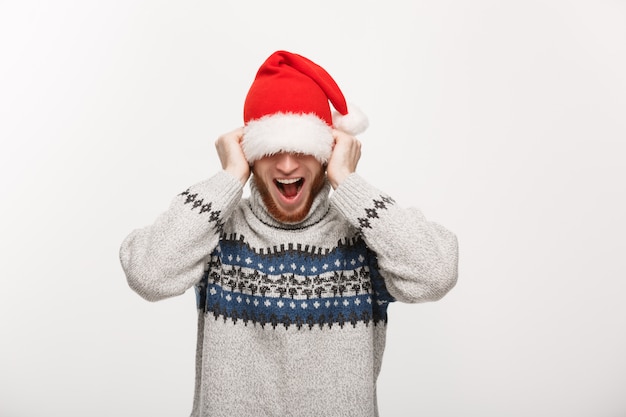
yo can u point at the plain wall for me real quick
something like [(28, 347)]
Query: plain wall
[(503, 121)]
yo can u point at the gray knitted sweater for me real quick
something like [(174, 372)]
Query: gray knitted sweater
[(291, 318)]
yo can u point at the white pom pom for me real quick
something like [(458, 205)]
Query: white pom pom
[(353, 123)]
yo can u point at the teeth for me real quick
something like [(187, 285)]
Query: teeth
[(287, 180)]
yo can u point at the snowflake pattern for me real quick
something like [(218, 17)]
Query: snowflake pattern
[(373, 212), (192, 199)]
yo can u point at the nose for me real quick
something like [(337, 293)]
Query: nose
[(287, 163)]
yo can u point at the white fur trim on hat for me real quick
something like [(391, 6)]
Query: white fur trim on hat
[(287, 132), (353, 123)]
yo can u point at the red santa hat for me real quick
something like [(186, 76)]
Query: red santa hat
[(287, 109)]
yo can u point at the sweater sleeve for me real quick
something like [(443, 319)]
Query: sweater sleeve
[(418, 259), (167, 258)]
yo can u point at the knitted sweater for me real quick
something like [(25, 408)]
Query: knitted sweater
[(291, 317)]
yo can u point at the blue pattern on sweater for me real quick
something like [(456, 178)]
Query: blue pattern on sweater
[(297, 259), (233, 285)]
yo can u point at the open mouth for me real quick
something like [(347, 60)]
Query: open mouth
[(289, 187)]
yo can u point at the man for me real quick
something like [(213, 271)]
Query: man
[(292, 283)]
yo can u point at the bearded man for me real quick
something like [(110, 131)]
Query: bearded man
[(292, 283)]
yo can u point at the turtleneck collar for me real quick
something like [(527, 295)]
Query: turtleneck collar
[(319, 208)]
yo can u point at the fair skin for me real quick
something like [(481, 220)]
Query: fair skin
[(278, 171)]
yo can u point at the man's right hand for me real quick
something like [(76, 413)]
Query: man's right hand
[(231, 155)]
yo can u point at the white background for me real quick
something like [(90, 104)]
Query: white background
[(503, 121)]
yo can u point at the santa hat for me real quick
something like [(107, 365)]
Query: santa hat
[(287, 109)]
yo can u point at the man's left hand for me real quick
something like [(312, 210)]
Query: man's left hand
[(344, 158)]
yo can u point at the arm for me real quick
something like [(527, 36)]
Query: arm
[(417, 258), (167, 258)]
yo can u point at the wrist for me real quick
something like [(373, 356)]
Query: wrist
[(335, 180), (240, 174)]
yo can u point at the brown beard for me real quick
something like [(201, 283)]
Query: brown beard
[(281, 215)]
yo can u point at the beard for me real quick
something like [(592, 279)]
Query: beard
[(280, 214)]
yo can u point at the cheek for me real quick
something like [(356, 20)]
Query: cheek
[(260, 173), (316, 168)]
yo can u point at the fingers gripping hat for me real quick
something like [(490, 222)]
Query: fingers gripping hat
[(287, 109)]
